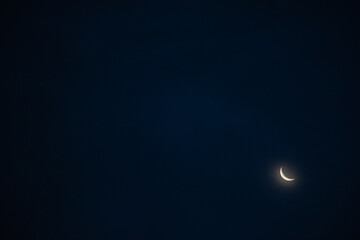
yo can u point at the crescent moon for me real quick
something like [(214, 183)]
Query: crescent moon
[(285, 177)]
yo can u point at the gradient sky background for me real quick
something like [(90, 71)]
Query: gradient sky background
[(158, 120)]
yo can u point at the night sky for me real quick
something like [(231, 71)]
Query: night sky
[(170, 120)]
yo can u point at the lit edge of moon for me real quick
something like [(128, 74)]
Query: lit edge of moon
[(285, 177)]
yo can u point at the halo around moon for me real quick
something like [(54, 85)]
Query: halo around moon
[(285, 177)]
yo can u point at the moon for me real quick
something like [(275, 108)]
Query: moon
[(285, 177)]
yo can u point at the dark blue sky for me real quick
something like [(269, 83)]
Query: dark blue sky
[(158, 120)]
